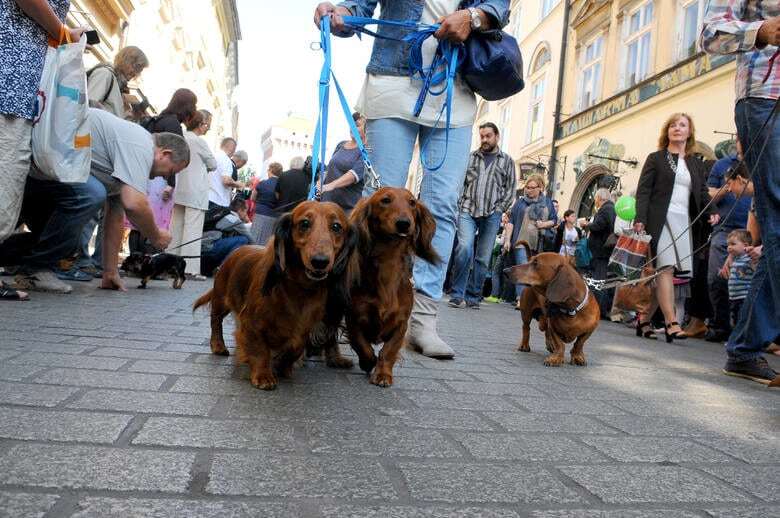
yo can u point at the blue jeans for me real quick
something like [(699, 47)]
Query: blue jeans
[(56, 214), (391, 147), (469, 286), (219, 252), (759, 318), (520, 258)]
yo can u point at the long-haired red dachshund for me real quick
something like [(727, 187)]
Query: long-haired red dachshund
[(279, 293), (392, 228)]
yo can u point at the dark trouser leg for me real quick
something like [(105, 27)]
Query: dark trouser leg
[(463, 258), (718, 286), (700, 301)]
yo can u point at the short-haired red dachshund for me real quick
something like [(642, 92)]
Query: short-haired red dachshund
[(392, 227), (279, 293)]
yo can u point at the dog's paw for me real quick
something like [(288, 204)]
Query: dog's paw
[(524, 348), (339, 362), (219, 349), (381, 379), (367, 364), (554, 360), (579, 359), (265, 382)]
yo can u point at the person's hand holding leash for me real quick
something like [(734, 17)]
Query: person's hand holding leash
[(335, 12), (162, 240)]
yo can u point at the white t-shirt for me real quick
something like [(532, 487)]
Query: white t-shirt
[(385, 97), (122, 151), (192, 184), (218, 193)]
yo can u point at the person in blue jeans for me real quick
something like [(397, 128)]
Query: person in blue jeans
[(488, 191), (751, 30), (232, 231), (387, 101)]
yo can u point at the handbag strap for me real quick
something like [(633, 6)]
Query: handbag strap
[(674, 245)]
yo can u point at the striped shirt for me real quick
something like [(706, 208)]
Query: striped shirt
[(488, 188), (731, 27), (740, 276)]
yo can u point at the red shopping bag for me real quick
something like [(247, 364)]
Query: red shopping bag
[(630, 254)]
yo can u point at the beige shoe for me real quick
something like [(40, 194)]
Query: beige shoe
[(42, 280), (422, 335)]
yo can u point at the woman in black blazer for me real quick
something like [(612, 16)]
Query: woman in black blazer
[(672, 191)]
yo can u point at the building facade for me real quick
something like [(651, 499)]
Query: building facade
[(631, 64), (190, 44), (285, 140)]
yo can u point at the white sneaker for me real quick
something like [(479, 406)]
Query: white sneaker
[(42, 280)]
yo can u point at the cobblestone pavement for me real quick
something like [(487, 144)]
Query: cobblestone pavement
[(111, 405)]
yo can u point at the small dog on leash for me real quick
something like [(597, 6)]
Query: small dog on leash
[(148, 267)]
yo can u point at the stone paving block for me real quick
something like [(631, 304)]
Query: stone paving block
[(652, 449), (743, 511), (25, 336), (527, 448), (418, 384), (622, 513), (227, 387), (34, 395), (555, 405), (44, 425), (69, 360), (213, 433), (463, 401), (379, 442), (495, 389), (430, 418), (346, 511), (186, 348), (140, 354), (99, 507), (187, 369), (753, 450), (651, 484), (282, 476), (146, 402), (42, 347), (80, 332), (13, 372), (413, 372), (5, 354), (662, 426), (102, 379), (25, 505), (548, 423), (118, 342), (90, 467), (524, 379), (467, 483), (760, 481)]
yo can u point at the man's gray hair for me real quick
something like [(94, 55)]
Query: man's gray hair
[(296, 163), (603, 194), (180, 151), (241, 155)]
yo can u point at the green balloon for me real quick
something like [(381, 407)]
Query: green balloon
[(626, 208)]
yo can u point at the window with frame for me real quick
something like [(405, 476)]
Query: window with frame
[(548, 6), (518, 25), (590, 74), (690, 21), (536, 112), (638, 33), (504, 124)]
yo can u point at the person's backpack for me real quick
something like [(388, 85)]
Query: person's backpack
[(113, 78), (148, 123), (213, 215), (582, 255)]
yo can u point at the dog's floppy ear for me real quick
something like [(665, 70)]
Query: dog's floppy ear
[(347, 250), (425, 228), (563, 285), (359, 222), (282, 236)]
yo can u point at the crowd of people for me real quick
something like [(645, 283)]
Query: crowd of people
[(175, 194)]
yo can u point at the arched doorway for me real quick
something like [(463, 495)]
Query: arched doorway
[(583, 198)]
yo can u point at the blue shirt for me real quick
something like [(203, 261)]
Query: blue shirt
[(738, 218), (22, 52), (343, 161), (265, 199)]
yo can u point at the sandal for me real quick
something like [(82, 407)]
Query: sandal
[(645, 330), (677, 335), (9, 293)]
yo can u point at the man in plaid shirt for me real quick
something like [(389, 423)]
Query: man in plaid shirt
[(751, 29)]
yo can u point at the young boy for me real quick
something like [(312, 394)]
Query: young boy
[(740, 269)]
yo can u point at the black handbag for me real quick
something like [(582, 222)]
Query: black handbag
[(492, 64)]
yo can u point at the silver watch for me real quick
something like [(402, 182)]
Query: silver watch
[(476, 21)]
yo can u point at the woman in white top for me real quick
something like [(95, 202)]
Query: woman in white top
[(191, 195), (672, 191)]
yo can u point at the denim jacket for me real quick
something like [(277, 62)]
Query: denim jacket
[(390, 57)]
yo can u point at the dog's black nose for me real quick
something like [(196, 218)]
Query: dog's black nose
[(402, 225), (320, 262)]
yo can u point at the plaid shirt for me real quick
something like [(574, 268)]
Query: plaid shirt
[(731, 27), (488, 189)]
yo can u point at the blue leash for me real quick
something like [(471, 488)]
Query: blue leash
[(445, 58)]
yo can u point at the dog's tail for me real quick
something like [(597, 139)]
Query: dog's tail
[(525, 245), (203, 300)]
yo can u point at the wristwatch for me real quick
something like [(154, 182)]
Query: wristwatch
[(476, 21)]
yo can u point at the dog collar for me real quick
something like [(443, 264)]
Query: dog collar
[(572, 312)]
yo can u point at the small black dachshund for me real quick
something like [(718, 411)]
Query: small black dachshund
[(150, 266)]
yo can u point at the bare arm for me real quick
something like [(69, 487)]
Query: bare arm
[(136, 205), (113, 231), (344, 180), (43, 14), (228, 181)]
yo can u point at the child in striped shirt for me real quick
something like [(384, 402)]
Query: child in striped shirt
[(740, 270)]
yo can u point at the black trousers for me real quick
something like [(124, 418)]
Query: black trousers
[(599, 268)]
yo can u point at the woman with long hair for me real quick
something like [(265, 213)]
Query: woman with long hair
[(672, 191)]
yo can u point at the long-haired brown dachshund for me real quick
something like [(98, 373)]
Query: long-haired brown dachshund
[(571, 310), (392, 228), (279, 293)]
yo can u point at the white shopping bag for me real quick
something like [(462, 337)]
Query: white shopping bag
[(61, 141)]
